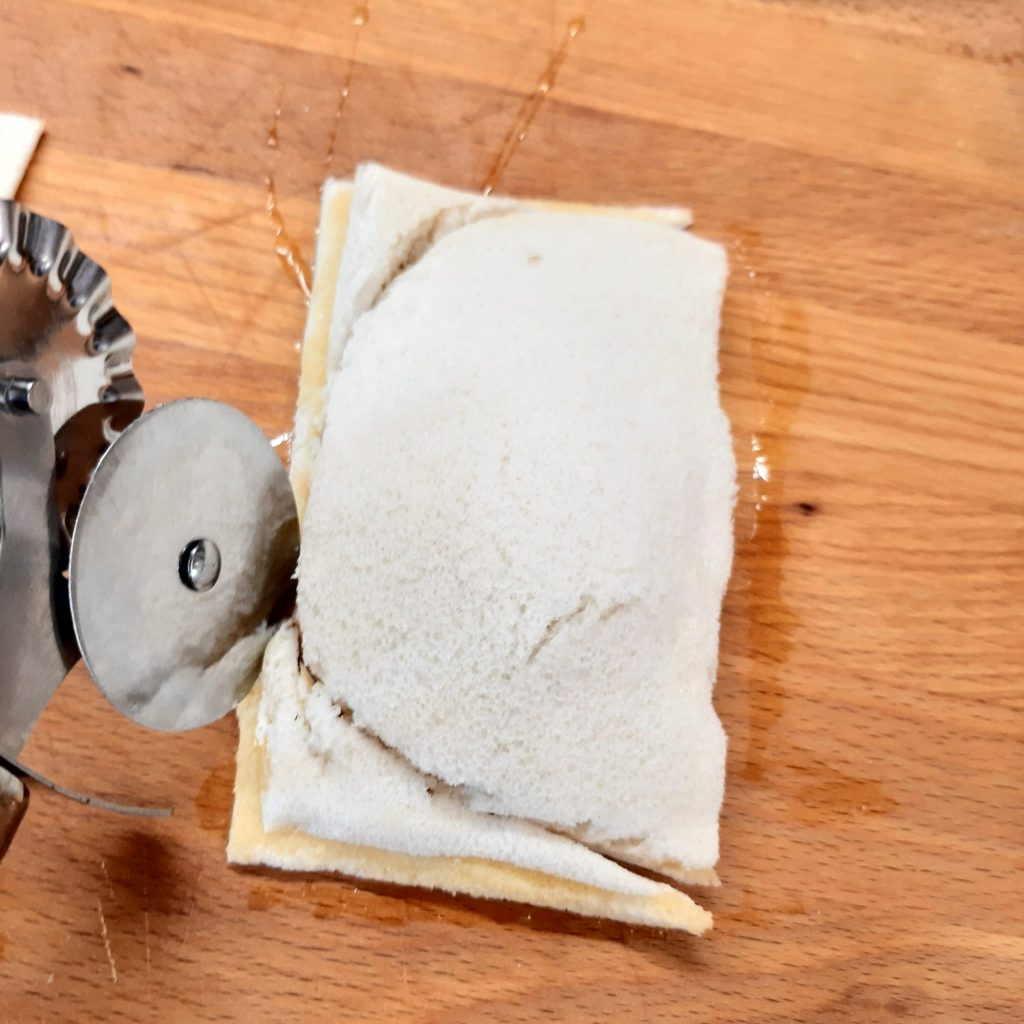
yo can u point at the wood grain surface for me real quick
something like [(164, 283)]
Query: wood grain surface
[(864, 163)]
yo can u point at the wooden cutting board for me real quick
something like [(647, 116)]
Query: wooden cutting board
[(864, 164)]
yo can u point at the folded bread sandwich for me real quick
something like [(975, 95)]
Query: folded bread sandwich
[(516, 483)]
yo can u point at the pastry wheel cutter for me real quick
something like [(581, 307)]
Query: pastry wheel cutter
[(158, 547)]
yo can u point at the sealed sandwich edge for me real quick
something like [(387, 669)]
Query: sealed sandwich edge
[(250, 845)]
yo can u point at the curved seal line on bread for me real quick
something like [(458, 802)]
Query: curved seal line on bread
[(328, 778), (249, 844), (338, 765)]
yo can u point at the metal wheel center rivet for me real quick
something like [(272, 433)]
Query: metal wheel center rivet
[(143, 554), (199, 565)]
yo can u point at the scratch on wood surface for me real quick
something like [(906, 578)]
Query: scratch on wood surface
[(145, 918), (191, 909), (244, 324), (172, 241), (228, 112), (110, 884), (106, 941), (215, 316)]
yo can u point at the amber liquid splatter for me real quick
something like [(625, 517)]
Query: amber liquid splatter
[(360, 18), (531, 107), (284, 245), (778, 336)]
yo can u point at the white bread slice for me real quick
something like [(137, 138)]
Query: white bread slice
[(519, 531), (19, 136), (284, 843)]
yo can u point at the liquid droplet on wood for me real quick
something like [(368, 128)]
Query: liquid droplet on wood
[(272, 139), (779, 325)]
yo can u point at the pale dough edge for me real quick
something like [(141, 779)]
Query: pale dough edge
[(250, 844)]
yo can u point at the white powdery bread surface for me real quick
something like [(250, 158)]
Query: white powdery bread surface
[(19, 136), (518, 538)]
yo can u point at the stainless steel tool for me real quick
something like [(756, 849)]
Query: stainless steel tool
[(160, 547)]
